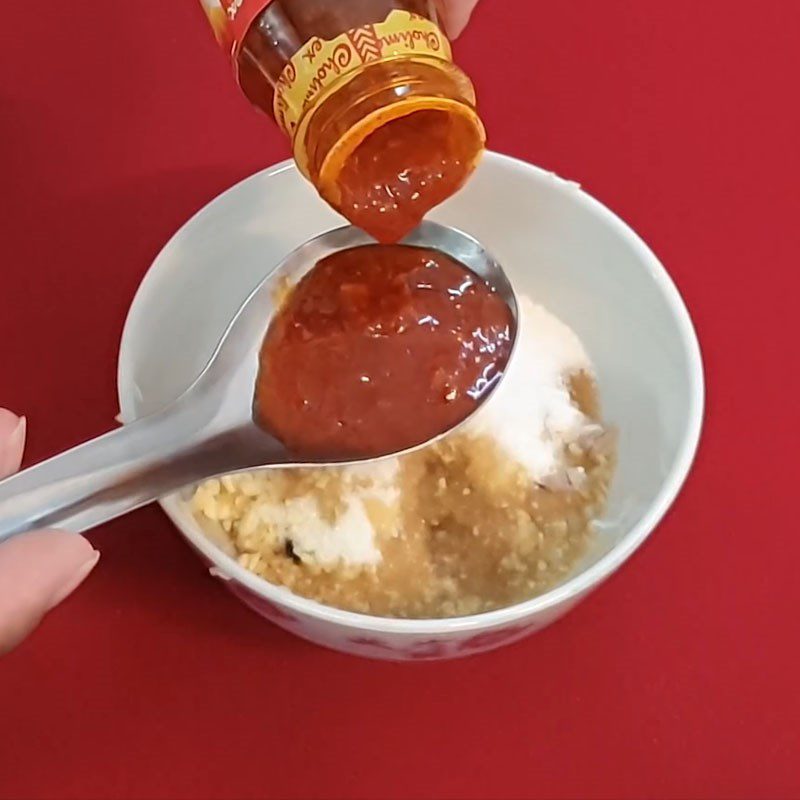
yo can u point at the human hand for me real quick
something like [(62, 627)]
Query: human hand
[(456, 15), (37, 570)]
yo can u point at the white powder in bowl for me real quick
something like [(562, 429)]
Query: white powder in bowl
[(351, 539), (531, 415)]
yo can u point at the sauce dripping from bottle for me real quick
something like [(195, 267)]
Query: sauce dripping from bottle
[(403, 170)]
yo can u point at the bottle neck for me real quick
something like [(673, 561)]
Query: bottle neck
[(379, 96)]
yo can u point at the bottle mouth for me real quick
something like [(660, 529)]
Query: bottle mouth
[(342, 150)]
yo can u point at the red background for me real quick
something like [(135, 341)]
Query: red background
[(679, 678)]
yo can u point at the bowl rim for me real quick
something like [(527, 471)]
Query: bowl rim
[(228, 568)]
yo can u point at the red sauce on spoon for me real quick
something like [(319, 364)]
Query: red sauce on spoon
[(378, 349)]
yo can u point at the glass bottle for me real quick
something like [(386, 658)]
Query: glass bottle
[(380, 119)]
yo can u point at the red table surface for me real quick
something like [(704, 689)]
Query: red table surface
[(678, 678)]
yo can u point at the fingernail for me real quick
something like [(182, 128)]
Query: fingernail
[(74, 580), (12, 448)]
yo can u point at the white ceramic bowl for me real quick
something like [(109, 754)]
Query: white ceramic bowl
[(558, 245)]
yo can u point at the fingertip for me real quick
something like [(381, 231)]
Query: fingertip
[(13, 430), (38, 571), (457, 16), (8, 418), (77, 557)]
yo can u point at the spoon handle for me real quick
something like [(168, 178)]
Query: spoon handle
[(118, 472)]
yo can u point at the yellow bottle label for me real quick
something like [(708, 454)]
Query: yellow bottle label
[(320, 63)]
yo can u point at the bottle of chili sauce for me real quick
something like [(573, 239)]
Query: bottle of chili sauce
[(380, 119)]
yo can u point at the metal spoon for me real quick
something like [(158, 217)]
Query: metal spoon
[(209, 430)]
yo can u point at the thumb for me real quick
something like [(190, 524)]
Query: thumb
[(37, 571), (456, 15)]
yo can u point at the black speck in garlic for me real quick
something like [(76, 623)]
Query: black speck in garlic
[(290, 553)]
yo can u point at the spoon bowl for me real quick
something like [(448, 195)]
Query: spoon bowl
[(211, 429)]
